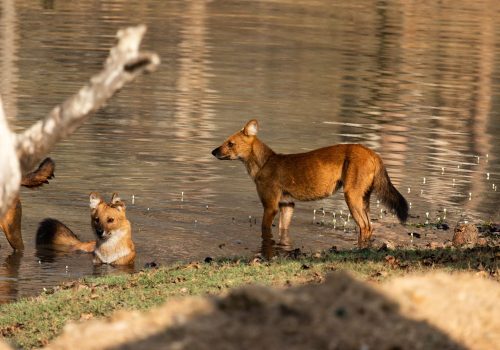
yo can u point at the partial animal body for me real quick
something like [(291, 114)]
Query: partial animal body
[(281, 179), (11, 222), (113, 244)]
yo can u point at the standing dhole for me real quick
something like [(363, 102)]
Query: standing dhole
[(10, 224), (113, 231), (282, 178)]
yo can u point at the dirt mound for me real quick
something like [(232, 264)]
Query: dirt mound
[(421, 312), (461, 305)]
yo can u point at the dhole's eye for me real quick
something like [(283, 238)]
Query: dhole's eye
[(230, 144), (110, 220), (96, 220)]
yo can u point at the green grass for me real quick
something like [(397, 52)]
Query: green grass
[(32, 322)]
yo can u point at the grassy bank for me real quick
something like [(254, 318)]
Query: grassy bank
[(34, 321)]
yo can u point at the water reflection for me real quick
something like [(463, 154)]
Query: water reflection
[(415, 81), (8, 51), (48, 255), (194, 111), (482, 108), (105, 269), (194, 105), (269, 248), (9, 275)]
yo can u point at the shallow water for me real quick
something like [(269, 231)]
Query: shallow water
[(416, 82)]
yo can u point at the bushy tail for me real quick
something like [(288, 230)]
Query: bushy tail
[(55, 234), (41, 175), (390, 196)]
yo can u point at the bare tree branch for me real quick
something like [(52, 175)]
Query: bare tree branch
[(124, 63), (22, 152)]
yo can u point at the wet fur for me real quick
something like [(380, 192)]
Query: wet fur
[(113, 244), (282, 178), (10, 224), (54, 234)]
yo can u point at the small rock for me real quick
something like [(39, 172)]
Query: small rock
[(442, 226), (151, 265), (295, 254), (465, 235), (209, 259), (414, 234)]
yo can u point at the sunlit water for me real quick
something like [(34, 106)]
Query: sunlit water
[(416, 82)]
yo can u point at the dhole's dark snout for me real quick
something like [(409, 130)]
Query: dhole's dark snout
[(99, 232), (217, 153)]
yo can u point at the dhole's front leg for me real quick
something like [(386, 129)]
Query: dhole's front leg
[(267, 222), (11, 225), (267, 248), (269, 197)]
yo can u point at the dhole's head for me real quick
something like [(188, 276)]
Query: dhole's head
[(106, 218), (238, 145)]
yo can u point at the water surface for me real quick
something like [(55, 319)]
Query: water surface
[(416, 82)]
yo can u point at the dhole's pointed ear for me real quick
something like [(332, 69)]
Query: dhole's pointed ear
[(115, 198), (251, 128), (95, 199), (116, 202)]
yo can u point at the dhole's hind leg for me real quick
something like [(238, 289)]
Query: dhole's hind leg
[(11, 225), (286, 213), (356, 203), (366, 207)]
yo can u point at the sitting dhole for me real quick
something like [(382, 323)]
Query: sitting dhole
[(112, 229), (283, 178)]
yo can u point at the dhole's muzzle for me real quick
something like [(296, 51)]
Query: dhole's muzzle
[(219, 155), (99, 232)]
